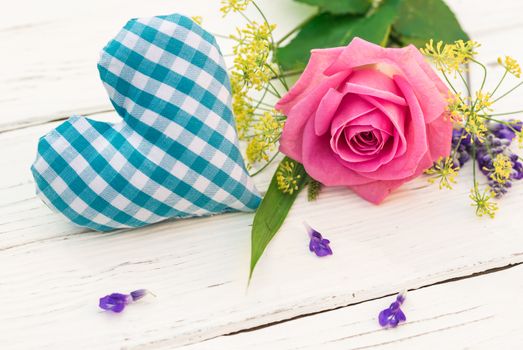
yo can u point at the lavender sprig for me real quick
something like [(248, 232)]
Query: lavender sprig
[(497, 142)]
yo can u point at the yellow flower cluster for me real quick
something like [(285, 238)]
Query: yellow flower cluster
[(483, 102), (470, 110), (450, 58), (234, 6), (253, 71), (444, 171), (252, 67), (286, 177), (267, 130), (243, 109), (482, 202), (511, 65), (502, 169)]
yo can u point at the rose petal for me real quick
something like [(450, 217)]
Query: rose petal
[(439, 135), (374, 83), (322, 164), (376, 119), (416, 138), (408, 61), (326, 110), (352, 107), (314, 72)]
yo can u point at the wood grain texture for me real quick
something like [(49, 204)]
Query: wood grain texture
[(474, 313), (50, 71), (52, 273)]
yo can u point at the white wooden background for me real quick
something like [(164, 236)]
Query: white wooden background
[(463, 273)]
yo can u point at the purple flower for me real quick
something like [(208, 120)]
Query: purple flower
[(318, 244), (393, 315), (461, 137), (503, 131), (116, 302)]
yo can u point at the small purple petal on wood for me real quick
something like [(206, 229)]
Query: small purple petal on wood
[(116, 302), (318, 244), (393, 315)]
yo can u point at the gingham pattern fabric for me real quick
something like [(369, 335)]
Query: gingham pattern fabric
[(175, 154)]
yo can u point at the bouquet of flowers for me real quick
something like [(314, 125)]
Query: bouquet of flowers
[(368, 110)]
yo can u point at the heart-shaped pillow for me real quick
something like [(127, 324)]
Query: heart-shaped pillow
[(174, 155)]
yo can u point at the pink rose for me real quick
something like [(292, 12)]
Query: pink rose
[(366, 117)]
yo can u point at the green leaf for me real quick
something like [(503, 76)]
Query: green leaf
[(341, 7), (327, 30), (422, 20), (272, 213)]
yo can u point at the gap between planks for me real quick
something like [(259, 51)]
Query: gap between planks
[(450, 280)]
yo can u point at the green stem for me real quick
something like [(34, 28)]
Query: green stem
[(450, 84), (465, 83), (222, 36), (508, 92), (274, 90), (484, 73), (266, 165), (506, 113), (474, 166), (499, 121), (263, 97), (245, 17), (273, 43), (499, 84), (288, 73), (284, 83), (264, 108), (261, 103)]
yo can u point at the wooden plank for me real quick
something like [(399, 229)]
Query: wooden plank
[(52, 73), (53, 273), (475, 313)]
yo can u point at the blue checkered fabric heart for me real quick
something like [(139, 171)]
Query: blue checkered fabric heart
[(175, 154)]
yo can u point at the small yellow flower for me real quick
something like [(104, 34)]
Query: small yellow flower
[(197, 19), (286, 177), (465, 50), (456, 108), (502, 169), (483, 102), (443, 56), (511, 65), (234, 6), (482, 202), (475, 125), (449, 58), (444, 171)]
